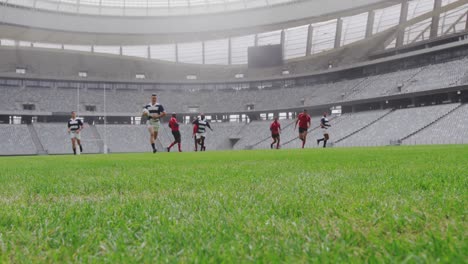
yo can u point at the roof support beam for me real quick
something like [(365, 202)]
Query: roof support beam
[(421, 34), (310, 33), (454, 24), (370, 23), (435, 19), (283, 41), (403, 18), (203, 52), (229, 51), (466, 26), (339, 30)]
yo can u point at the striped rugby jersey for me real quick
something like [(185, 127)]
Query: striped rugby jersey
[(201, 124), (154, 109), (75, 124)]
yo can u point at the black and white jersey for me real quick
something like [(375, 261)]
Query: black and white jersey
[(154, 109), (324, 122), (202, 125), (75, 124)]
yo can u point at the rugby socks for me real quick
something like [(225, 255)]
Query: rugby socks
[(154, 147), (74, 151), (180, 147), (81, 148)]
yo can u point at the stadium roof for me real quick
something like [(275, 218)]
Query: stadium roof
[(144, 7), (223, 39)]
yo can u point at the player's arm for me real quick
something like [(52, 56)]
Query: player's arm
[(308, 124), (145, 111), (68, 128), (81, 125), (297, 121), (162, 112), (195, 129), (208, 125)]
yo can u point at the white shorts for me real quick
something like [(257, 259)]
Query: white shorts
[(199, 135), (75, 135), (155, 124), (325, 131)]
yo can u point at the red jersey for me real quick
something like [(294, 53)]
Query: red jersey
[(275, 127), (195, 128), (304, 120), (173, 124)]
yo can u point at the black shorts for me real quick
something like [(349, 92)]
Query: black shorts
[(176, 135), (275, 135), (302, 130)]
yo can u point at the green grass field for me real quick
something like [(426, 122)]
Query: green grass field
[(394, 204)]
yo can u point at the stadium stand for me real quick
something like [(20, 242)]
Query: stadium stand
[(437, 124), (55, 139), (450, 129), (16, 140), (348, 124), (398, 124), (125, 138), (60, 99)]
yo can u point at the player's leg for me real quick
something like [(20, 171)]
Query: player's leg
[(73, 145), (278, 142), (200, 140), (325, 139), (78, 141), (320, 140), (179, 141), (196, 142), (202, 143), (173, 143), (274, 141), (305, 138), (155, 133), (151, 132)]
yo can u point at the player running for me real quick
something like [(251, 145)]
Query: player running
[(304, 124), (174, 125), (155, 112), (275, 129), (75, 126), (324, 126), (200, 134), (194, 132)]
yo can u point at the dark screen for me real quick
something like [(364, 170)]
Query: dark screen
[(265, 56)]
